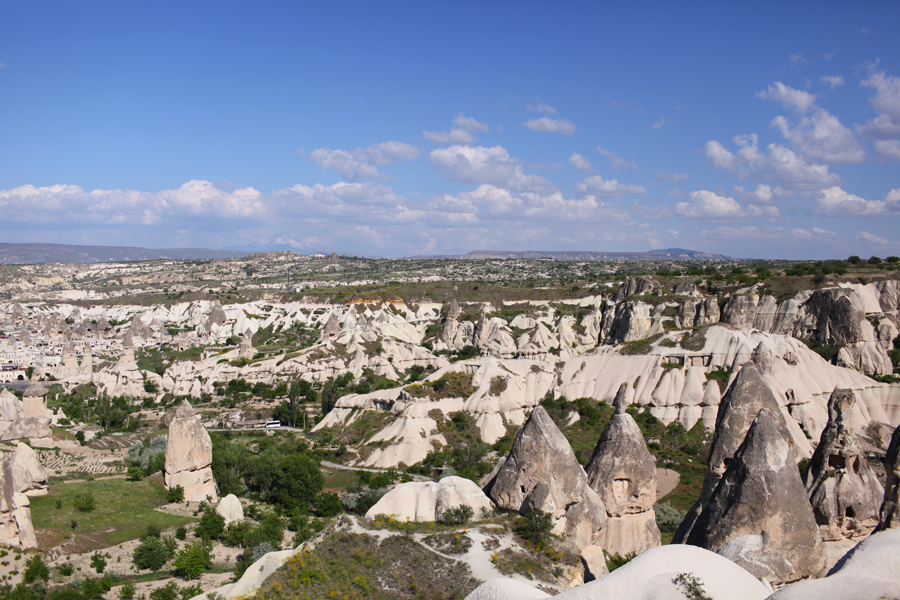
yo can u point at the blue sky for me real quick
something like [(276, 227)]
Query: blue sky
[(766, 129)]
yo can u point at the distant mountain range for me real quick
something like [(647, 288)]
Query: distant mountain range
[(12, 254), (17, 254), (280, 243), (666, 254)]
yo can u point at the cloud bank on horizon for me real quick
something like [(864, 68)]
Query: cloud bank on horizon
[(562, 141)]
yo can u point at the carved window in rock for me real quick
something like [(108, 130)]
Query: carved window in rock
[(836, 461), (622, 488)]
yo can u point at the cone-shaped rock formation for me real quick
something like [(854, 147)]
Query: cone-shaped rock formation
[(623, 473), (542, 473), (757, 515), (739, 407)]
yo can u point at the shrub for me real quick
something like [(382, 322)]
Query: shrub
[(614, 561), (691, 586), (84, 502), (35, 569), (152, 531), (328, 505), (668, 518), (154, 552), (65, 569), (192, 560), (181, 533), (166, 592), (457, 515), (211, 525), (98, 562), (498, 385), (534, 527), (175, 494), (126, 592)]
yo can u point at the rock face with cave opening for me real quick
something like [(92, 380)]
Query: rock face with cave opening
[(189, 456), (623, 473), (542, 473), (757, 516), (843, 489), (890, 508)]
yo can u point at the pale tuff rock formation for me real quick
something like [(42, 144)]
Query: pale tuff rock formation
[(494, 337), (843, 489), (189, 456), (10, 407), (427, 501), (245, 350), (623, 473), (638, 285), (870, 570), (746, 396), (650, 576), (757, 515), (29, 475), (501, 588), (890, 508), (542, 473), (456, 335), (230, 509), (16, 529), (33, 422)]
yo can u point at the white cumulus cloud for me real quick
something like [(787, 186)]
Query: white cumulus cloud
[(359, 163), (835, 202), (580, 163), (704, 204), (780, 165), (795, 99), (821, 138), (886, 103), (548, 125), (832, 81), (464, 131), (478, 164)]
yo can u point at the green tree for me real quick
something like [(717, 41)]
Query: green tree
[(152, 553), (211, 525), (535, 526), (35, 569), (192, 560)]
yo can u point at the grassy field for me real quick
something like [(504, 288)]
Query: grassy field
[(123, 510)]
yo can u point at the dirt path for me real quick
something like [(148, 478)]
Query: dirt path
[(666, 481)]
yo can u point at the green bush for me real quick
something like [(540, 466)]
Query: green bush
[(534, 527), (65, 569), (35, 569), (457, 515), (181, 533), (668, 518), (328, 505), (98, 562), (154, 552), (126, 592), (166, 592), (211, 526), (84, 502), (175, 494), (192, 560)]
